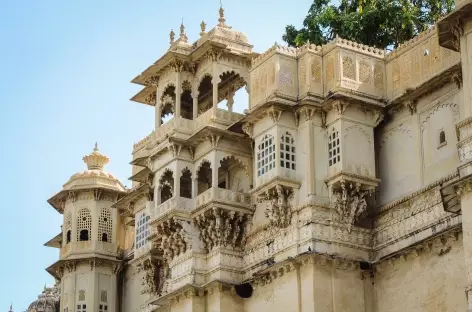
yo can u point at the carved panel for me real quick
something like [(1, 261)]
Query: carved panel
[(349, 67)]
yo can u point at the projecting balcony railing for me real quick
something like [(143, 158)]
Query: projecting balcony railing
[(176, 204), (284, 173), (183, 128), (89, 247), (216, 194)]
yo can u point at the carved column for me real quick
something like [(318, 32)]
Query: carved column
[(215, 81), (194, 187), (158, 108), (214, 171), (178, 90), (195, 104)]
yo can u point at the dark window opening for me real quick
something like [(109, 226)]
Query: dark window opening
[(442, 137), (244, 290), (68, 237), (84, 235), (104, 237)]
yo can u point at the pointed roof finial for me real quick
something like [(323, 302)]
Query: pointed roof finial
[(203, 28), (172, 36), (222, 19), (11, 307), (95, 160), (183, 36)]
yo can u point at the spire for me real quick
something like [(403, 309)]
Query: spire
[(183, 36), (172, 36), (222, 19), (11, 307), (95, 160), (203, 28)]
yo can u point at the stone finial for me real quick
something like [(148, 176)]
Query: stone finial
[(172, 36), (222, 19), (11, 307), (183, 36), (95, 160), (203, 28)]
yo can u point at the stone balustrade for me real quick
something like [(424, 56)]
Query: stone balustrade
[(176, 204), (183, 128), (87, 247), (222, 195)]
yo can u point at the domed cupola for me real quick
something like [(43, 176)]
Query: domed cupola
[(48, 301), (95, 174), (94, 178)]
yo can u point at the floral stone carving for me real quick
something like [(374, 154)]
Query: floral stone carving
[(350, 202), (278, 211), (219, 227), (173, 238)]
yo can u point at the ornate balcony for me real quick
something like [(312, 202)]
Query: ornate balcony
[(182, 128), (215, 194), (87, 247), (174, 205)]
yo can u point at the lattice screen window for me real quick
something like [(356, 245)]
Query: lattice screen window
[(334, 152), (287, 151), (84, 225), (103, 306), (105, 225), (266, 155), (81, 306), (142, 230), (67, 228)]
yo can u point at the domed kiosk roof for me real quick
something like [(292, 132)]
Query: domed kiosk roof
[(48, 301), (95, 177), (95, 174)]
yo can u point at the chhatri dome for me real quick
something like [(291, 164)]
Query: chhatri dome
[(94, 177), (48, 301), (95, 174)]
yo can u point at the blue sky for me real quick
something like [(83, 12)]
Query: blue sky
[(64, 84)]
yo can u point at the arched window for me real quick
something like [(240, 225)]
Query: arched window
[(84, 224), (442, 137), (105, 225), (334, 152), (287, 151), (142, 230), (68, 227), (84, 235), (266, 155), (68, 237)]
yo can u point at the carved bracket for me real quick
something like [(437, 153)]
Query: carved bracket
[(350, 202), (248, 129), (278, 199), (173, 238), (274, 114), (219, 227)]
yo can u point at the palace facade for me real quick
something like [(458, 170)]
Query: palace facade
[(339, 189)]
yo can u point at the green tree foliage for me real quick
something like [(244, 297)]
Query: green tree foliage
[(378, 23)]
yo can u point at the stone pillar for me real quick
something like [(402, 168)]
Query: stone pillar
[(214, 171), (195, 104), (177, 174), (215, 81), (158, 109), (194, 187), (178, 92)]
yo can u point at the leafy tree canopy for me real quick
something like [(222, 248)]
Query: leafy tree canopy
[(378, 23)]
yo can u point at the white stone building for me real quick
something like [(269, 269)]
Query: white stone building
[(345, 185)]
